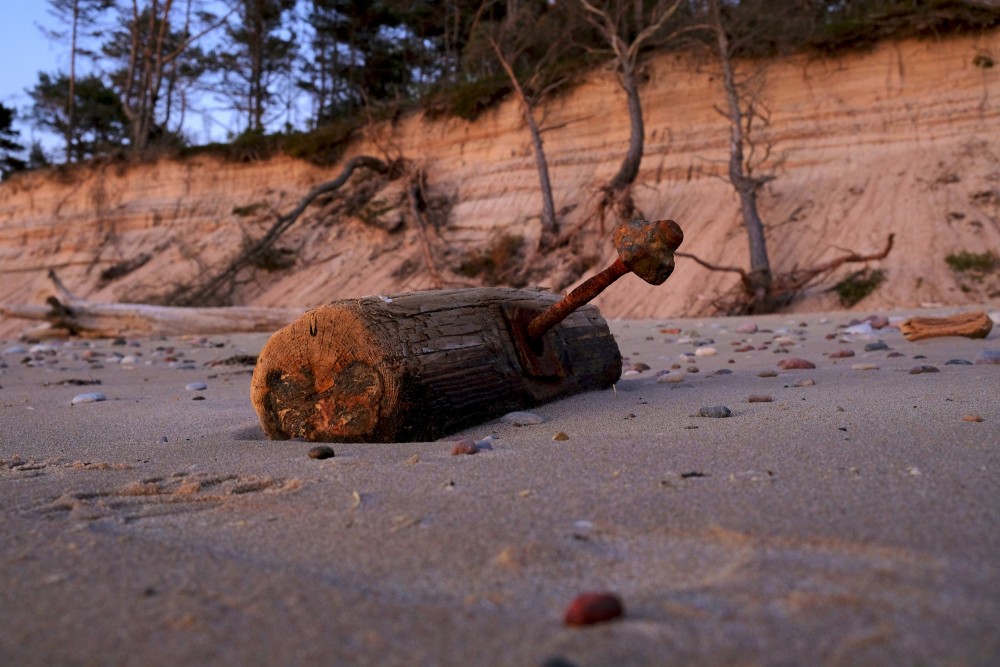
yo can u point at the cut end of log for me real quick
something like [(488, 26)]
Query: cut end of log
[(970, 325), (321, 379)]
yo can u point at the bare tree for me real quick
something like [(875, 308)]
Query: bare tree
[(761, 289), (77, 15), (740, 171), (626, 38), (510, 40), (147, 47)]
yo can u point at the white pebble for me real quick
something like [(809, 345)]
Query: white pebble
[(629, 373), (91, 397), (128, 360), (864, 329), (15, 349), (522, 419), (196, 386), (705, 351)]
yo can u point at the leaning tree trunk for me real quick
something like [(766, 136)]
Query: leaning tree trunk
[(550, 226), (629, 169), (760, 277)]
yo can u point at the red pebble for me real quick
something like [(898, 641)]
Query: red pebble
[(464, 446), (793, 364), (590, 608), (842, 354)]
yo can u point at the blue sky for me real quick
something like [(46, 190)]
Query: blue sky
[(25, 51)]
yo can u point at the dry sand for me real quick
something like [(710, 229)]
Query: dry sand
[(853, 521)]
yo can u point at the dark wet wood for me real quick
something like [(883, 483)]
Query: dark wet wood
[(420, 366)]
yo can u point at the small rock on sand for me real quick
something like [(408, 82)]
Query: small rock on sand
[(715, 411), (759, 398), (196, 386), (591, 608), (972, 418), (522, 419), (988, 356), (321, 452), (671, 378), (864, 367), (90, 397), (794, 363), (917, 370), (747, 328)]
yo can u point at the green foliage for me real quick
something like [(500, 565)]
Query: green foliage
[(323, 146), (468, 100), (858, 285), (249, 209), (972, 262), (8, 146), (99, 123)]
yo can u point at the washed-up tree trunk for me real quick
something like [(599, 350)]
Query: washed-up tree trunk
[(419, 366), (70, 315)]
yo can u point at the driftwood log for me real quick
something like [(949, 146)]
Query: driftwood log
[(419, 366), (971, 325)]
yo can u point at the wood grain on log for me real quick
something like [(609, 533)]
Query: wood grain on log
[(970, 325), (419, 366)]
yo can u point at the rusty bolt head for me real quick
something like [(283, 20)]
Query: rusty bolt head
[(647, 248)]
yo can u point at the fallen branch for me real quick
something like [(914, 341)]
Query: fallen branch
[(971, 325), (203, 293), (70, 315)]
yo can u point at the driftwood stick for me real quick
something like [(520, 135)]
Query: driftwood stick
[(971, 325), (71, 315)]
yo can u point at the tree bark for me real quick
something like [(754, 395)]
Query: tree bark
[(629, 169), (422, 365), (550, 227), (760, 276)]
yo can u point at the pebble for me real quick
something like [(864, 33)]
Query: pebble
[(90, 397), (842, 354), (759, 398), (15, 349), (878, 321), (972, 418), (196, 386), (706, 351), (560, 436), (746, 328), (630, 373), (894, 355), (794, 363), (769, 374), (876, 346), (804, 383), (715, 411), (917, 370), (464, 446), (671, 378), (128, 360), (864, 367), (321, 452), (958, 362), (640, 367), (988, 356), (863, 329), (723, 371), (522, 419), (591, 608)]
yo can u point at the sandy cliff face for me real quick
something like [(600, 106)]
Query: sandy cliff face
[(903, 140)]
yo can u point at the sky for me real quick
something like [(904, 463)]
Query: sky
[(24, 52)]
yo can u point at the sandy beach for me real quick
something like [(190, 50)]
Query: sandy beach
[(848, 515)]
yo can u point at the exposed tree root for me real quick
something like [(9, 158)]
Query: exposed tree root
[(744, 298), (209, 291)]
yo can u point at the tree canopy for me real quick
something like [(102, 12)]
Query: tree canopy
[(140, 69)]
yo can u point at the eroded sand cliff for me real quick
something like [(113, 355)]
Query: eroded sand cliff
[(903, 140)]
